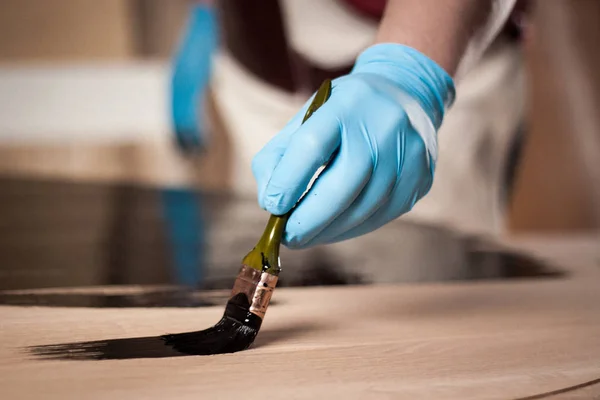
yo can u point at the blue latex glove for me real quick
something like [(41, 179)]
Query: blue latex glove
[(191, 74), (383, 118), (189, 80)]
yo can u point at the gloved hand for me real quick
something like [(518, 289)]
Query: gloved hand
[(191, 74), (383, 118)]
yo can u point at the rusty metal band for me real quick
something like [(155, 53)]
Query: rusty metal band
[(246, 282), (257, 286), (263, 293)]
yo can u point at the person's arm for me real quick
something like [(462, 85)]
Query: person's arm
[(439, 29), (380, 123)]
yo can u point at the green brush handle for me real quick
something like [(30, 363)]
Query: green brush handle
[(265, 255)]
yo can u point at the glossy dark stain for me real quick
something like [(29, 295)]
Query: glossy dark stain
[(151, 299), (56, 234)]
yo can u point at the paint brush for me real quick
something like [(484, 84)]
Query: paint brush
[(253, 287)]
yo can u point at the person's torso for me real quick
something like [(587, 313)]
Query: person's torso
[(294, 45)]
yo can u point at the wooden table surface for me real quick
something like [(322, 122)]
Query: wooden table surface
[(485, 340)]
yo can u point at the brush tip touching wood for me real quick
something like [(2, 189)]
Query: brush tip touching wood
[(244, 312), (236, 331), (252, 290)]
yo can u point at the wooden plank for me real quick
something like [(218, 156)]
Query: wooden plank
[(442, 341)]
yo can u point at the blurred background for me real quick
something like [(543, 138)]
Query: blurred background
[(127, 128)]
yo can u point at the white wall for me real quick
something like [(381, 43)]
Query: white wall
[(91, 103)]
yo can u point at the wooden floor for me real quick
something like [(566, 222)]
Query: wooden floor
[(484, 340)]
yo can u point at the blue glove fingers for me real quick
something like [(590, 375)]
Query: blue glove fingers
[(335, 190), (414, 182), (376, 193), (266, 160), (309, 148)]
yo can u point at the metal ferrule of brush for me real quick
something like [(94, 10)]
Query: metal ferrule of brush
[(257, 286), (258, 275)]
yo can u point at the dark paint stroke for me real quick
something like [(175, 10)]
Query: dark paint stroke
[(236, 331)]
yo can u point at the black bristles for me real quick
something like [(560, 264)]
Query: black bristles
[(236, 331), (227, 336)]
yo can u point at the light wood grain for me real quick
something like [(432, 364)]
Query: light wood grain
[(445, 341)]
